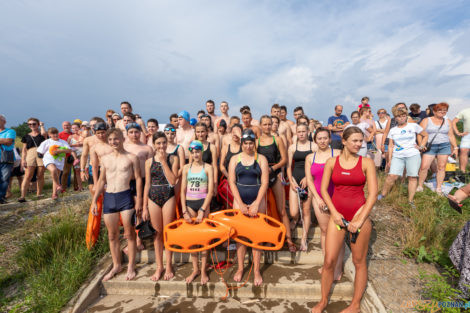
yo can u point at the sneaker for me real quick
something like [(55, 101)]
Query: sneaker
[(21, 200), (3, 201), (380, 197), (412, 204), (419, 189)]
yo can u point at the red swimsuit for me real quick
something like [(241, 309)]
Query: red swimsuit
[(348, 196)]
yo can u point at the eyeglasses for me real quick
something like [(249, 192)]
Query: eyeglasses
[(169, 129), (382, 112), (32, 124)]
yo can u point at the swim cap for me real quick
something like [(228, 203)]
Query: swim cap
[(193, 121), (184, 114), (133, 125), (248, 135), (99, 126), (196, 145), (78, 121)]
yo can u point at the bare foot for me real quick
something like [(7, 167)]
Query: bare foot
[(168, 273), (204, 278), (139, 248), (258, 280), (157, 275), (293, 223), (319, 307), (238, 275), (320, 270), (191, 277), (130, 274), (453, 198), (111, 273), (353, 308), (303, 245)]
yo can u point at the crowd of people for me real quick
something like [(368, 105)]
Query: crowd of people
[(147, 171)]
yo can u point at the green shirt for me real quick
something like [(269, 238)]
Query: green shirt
[(464, 116)]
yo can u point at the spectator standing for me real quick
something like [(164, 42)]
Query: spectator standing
[(29, 157), (416, 114), (64, 135), (7, 156), (75, 142), (336, 125), (463, 116), (380, 126)]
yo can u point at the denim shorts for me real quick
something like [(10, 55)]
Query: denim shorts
[(412, 165), (465, 142), (439, 149)]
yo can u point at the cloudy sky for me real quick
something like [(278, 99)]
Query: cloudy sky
[(75, 59)]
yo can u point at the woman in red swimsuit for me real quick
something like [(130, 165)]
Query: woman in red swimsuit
[(349, 173)]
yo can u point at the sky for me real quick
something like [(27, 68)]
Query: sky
[(62, 60)]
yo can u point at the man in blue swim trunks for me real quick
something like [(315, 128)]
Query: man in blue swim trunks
[(117, 170)]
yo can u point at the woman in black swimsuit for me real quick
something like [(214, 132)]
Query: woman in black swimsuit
[(297, 153), (159, 199), (272, 147), (230, 148)]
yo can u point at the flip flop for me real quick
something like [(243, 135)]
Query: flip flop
[(455, 205)]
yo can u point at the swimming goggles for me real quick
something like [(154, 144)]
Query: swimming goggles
[(196, 145), (170, 129), (248, 136), (133, 125)]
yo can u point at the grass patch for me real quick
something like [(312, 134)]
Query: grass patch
[(51, 267)]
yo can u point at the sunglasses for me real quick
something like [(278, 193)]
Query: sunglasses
[(170, 129), (32, 124), (381, 112)]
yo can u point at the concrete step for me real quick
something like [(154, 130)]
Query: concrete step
[(281, 281), (313, 233), (312, 256), (177, 303)]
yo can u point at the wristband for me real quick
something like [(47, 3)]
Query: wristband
[(201, 209), (82, 170)]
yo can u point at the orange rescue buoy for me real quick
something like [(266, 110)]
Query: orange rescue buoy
[(261, 232), (180, 236), (94, 224)]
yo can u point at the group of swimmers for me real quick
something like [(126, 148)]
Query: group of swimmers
[(145, 174)]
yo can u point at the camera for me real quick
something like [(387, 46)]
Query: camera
[(303, 194)]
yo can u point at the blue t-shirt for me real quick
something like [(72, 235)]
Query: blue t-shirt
[(337, 121), (8, 133)]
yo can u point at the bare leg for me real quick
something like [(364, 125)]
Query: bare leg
[(241, 251), (333, 244), (389, 181), (194, 256), (307, 221), (278, 190), (55, 180), (129, 234), (293, 207), (461, 194), (412, 182), (441, 171), (112, 224), (157, 223), (204, 277), (40, 180), (28, 175), (77, 179), (423, 170), (359, 258), (463, 159), (168, 212), (258, 279), (65, 174)]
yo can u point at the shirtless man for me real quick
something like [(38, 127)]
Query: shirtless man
[(210, 108), (117, 170), (126, 107), (130, 118), (298, 112), (254, 122), (94, 147), (224, 116), (283, 115), (284, 129), (185, 133), (247, 123)]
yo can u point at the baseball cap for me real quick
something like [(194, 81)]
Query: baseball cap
[(185, 115), (85, 123)]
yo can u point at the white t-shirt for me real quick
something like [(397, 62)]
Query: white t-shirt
[(362, 126), (48, 158), (404, 140)]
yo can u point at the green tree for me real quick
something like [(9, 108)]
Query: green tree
[(21, 130)]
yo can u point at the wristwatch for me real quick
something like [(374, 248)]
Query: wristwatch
[(82, 170), (201, 209)]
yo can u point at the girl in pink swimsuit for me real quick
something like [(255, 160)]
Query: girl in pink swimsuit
[(349, 173), (315, 164)]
